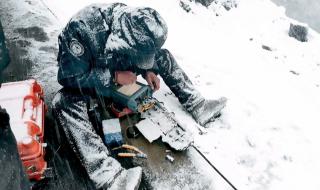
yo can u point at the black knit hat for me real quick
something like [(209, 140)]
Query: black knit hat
[(137, 32)]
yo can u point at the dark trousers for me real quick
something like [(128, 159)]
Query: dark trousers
[(71, 108)]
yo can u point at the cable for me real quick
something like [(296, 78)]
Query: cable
[(46, 6), (203, 156)]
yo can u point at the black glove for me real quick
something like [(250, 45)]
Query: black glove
[(4, 118)]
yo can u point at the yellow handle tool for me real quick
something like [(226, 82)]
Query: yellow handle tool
[(139, 153)]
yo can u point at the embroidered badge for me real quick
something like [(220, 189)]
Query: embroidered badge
[(76, 48)]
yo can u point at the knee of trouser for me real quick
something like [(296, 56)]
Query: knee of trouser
[(66, 99), (59, 101)]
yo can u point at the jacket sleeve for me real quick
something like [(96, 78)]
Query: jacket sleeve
[(4, 55), (74, 57), (79, 65)]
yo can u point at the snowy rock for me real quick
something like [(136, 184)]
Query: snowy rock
[(266, 48), (298, 32), (294, 72), (205, 3), (185, 6), (227, 4)]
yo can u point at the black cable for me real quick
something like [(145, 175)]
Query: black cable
[(203, 156)]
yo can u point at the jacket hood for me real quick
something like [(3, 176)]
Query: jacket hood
[(136, 31)]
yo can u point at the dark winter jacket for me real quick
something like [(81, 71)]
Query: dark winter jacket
[(101, 39), (4, 55)]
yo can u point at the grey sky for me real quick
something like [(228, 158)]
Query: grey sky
[(307, 11)]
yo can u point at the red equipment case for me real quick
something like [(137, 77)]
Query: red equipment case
[(24, 102)]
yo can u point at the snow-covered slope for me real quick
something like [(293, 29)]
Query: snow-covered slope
[(31, 33), (267, 137)]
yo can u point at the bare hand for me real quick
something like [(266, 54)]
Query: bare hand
[(125, 77), (153, 80)]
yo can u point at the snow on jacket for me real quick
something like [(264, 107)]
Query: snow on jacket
[(100, 39)]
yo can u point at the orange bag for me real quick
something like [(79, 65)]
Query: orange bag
[(24, 102)]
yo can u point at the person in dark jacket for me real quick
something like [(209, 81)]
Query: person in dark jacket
[(113, 43), (4, 55), (12, 175)]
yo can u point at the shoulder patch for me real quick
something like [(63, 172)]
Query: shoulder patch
[(76, 48)]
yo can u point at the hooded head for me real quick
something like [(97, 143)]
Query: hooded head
[(138, 33)]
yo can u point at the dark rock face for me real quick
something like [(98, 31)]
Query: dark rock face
[(298, 32), (205, 3)]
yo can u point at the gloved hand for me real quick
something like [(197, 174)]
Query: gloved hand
[(4, 118), (153, 80), (125, 77)]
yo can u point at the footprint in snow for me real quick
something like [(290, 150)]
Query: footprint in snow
[(247, 161)]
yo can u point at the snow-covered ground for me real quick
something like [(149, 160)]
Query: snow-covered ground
[(267, 137), (31, 33)]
